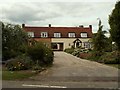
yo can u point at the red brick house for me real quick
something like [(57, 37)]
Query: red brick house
[(60, 38)]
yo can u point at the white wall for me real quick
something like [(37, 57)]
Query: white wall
[(67, 41)]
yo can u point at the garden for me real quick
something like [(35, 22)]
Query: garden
[(23, 57), (108, 58), (103, 49)]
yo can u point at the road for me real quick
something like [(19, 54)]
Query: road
[(71, 72)]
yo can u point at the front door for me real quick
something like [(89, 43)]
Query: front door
[(77, 44)]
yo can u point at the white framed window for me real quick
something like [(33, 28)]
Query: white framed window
[(31, 34), (87, 44), (83, 34), (57, 34), (44, 34), (71, 34)]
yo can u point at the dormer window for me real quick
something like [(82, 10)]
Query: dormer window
[(57, 34), (31, 34), (71, 34), (44, 34), (83, 34)]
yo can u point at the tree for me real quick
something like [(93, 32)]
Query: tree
[(114, 21), (99, 41), (13, 38)]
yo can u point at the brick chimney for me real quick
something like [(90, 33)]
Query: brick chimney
[(90, 26), (49, 25), (23, 25)]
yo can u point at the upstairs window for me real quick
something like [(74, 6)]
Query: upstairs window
[(44, 34), (57, 34), (31, 34), (71, 34), (83, 35)]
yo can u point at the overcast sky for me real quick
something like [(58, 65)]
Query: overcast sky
[(57, 13)]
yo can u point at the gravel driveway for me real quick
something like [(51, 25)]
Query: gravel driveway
[(68, 67)]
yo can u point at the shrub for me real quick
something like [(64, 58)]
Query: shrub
[(76, 52), (85, 50), (23, 48), (41, 54), (82, 53), (12, 38), (110, 58), (19, 63), (107, 57), (36, 67), (85, 55), (48, 56), (8, 54), (91, 55), (69, 50)]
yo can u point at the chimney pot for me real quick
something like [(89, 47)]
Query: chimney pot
[(90, 26), (23, 25), (49, 25)]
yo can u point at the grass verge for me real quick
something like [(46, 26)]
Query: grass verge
[(114, 65), (17, 75)]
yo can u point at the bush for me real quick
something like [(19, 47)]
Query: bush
[(85, 55), (107, 57), (69, 50), (90, 55), (85, 50), (12, 38), (41, 54), (19, 63), (48, 56), (110, 58), (76, 52), (36, 67), (8, 54)]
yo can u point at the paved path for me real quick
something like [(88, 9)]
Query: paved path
[(70, 71)]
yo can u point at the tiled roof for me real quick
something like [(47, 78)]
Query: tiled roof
[(63, 30)]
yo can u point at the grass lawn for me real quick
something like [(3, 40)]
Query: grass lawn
[(17, 75), (114, 65)]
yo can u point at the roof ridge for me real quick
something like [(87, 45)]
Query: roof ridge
[(53, 27)]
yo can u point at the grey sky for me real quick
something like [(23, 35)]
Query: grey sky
[(57, 13)]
